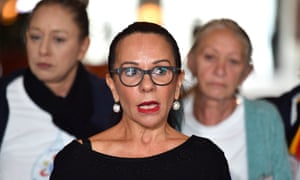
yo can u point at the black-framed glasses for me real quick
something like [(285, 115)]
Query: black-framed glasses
[(159, 75)]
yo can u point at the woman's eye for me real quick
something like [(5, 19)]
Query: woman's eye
[(59, 39), (209, 56), (160, 70), (131, 71), (34, 37), (234, 61)]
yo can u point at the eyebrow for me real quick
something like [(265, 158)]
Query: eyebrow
[(156, 62), (33, 28), (162, 60)]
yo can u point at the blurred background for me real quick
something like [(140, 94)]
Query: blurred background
[(273, 26)]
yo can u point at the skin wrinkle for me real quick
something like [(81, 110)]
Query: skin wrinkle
[(220, 63), (136, 130)]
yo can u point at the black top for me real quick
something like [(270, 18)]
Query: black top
[(285, 105), (197, 158)]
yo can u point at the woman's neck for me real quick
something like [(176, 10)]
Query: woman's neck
[(62, 87), (211, 111), (129, 141)]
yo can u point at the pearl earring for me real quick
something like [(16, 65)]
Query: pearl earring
[(116, 107), (176, 105)]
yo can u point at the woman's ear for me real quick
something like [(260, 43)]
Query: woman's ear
[(112, 87), (246, 73), (179, 85), (190, 63), (83, 48)]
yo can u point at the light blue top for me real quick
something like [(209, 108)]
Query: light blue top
[(267, 148), (267, 152)]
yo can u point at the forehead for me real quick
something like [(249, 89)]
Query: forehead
[(53, 16), (144, 47), (225, 35)]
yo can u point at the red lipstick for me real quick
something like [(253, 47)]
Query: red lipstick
[(148, 107)]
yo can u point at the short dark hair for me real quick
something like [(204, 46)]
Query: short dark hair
[(174, 117), (143, 27)]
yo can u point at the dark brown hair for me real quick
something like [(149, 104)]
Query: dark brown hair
[(76, 7), (143, 27)]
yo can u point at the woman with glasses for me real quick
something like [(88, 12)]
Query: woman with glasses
[(145, 79)]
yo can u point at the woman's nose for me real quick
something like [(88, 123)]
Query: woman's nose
[(44, 47), (147, 84), (220, 68)]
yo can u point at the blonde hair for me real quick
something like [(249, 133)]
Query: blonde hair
[(224, 23)]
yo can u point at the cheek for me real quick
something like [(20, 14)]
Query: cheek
[(68, 52), (201, 67), (236, 78), (168, 94), (126, 95), (65, 58), (32, 51), (203, 73), (32, 56)]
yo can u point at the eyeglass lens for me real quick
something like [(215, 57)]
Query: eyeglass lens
[(132, 76)]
